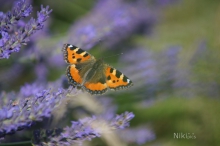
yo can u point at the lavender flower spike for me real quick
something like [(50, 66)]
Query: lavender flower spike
[(122, 121), (78, 132), (20, 113), (84, 129), (10, 43), (21, 10)]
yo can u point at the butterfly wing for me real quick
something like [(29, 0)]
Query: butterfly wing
[(73, 75), (95, 81), (104, 78), (80, 63), (116, 80), (75, 55), (97, 87)]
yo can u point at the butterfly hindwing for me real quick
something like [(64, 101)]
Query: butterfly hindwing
[(116, 80), (77, 72), (73, 75), (95, 83), (95, 88), (75, 55)]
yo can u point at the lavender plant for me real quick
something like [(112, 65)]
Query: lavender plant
[(12, 39), (33, 103)]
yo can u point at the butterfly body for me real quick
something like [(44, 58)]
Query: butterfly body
[(93, 75)]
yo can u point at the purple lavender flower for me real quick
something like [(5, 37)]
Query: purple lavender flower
[(122, 121), (12, 42), (30, 89), (34, 103), (155, 72), (111, 21), (84, 129), (145, 72), (139, 135), (20, 10), (78, 132)]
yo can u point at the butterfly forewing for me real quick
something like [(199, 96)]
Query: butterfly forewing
[(116, 80), (75, 55)]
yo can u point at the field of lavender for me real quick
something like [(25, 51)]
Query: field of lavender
[(170, 52)]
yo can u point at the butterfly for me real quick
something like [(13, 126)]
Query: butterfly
[(93, 75)]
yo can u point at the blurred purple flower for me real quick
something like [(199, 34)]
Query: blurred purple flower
[(173, 78), (109, 108), (41, 71), (111, 21), (12, 42), (139, 135), (153, 72), (145, 71), (122, 121), (5, 3), (30, 89), (168, 63), (56, 60)]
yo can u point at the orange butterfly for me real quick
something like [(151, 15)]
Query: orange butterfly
[(93, 75)]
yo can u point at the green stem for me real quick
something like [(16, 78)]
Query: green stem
[(15, 143)]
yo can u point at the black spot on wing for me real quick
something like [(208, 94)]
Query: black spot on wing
[(111, 70), (85, 55), (79, 51), (118, 74), (108, 78), (125, 78), (79, 59)]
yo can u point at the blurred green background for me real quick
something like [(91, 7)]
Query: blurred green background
[(186, 24)]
